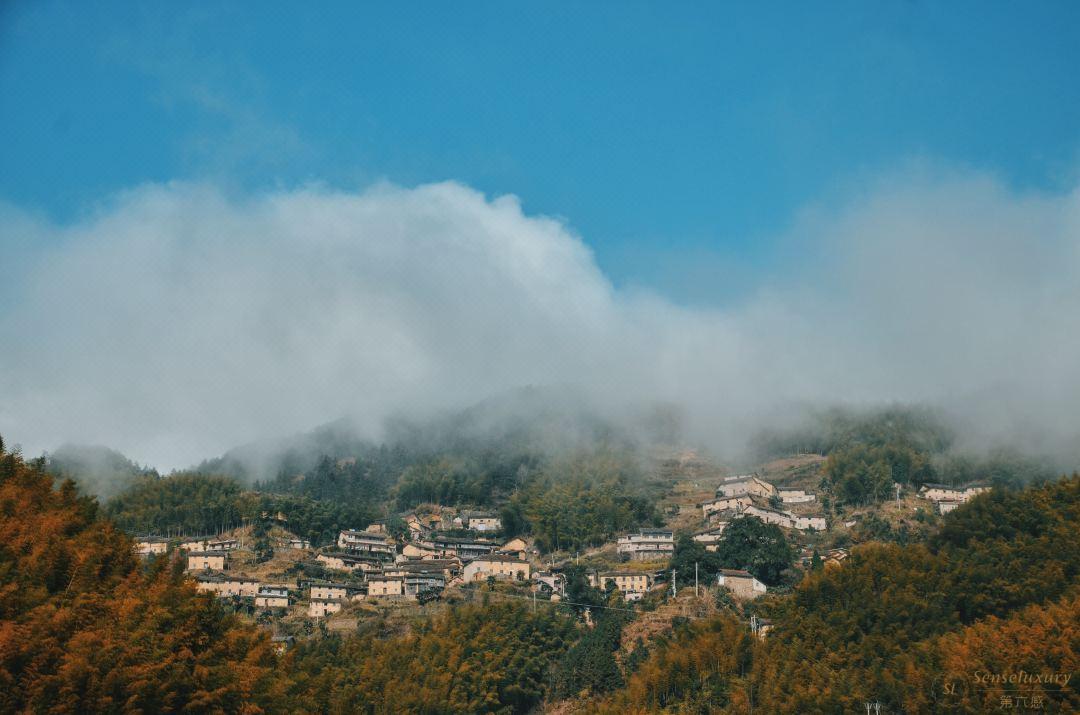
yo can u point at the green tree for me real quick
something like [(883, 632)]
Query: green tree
[(579, 593), (689, 553), (760, 548), (589, 667)]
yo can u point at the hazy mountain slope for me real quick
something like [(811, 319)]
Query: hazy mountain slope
[(98, 470)]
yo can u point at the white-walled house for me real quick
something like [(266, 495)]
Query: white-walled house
[(795, 496), (711, 537), (721, 504), (482, 522), (364, 542), (648, 544), (464, 549), (945, 492), (351, 562), (786, 519), (746, 485), (549, 582), (742, 584), (817, 523), (944, 506)]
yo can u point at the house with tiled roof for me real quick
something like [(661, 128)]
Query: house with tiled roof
[(272, 595), (364, 542), (501, 567)]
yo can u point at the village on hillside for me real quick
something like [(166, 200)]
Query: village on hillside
[(435, 553)]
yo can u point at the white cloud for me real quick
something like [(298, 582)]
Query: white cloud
[(178, 322)]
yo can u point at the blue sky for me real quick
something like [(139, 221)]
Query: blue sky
[(680, 140)]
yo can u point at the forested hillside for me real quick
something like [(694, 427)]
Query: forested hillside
[(996, 591), (871, 450), (515, 425), (197, 504), (84, 629), (565, 500), (993, 589), (474, 659)]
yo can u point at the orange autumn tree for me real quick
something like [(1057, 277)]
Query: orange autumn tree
[(84, 629), (700, 670), (953, 673), (493, 658)]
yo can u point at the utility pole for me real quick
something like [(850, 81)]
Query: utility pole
[(674, 588), (696, 593)]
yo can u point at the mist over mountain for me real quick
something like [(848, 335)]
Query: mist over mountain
[(97, 470), (153, 335), (544, 421)]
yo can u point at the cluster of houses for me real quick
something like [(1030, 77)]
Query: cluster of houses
[(947, 498), (201, 545), (448, 548), (752, 485), (407, 580), (325, 598), (437, 551), (156, 545), (743, 496), (426, 565), (443, 520), (422, 566)]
